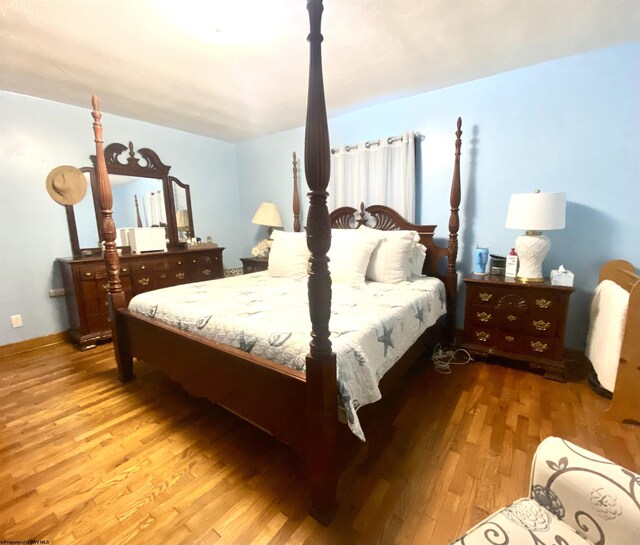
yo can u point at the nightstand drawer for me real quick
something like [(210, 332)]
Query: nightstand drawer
[(544, 303), (540, 347), (483, 296), (483, 316), (509, 341), (484, 336), (512, 319), (544, 326), (254, 264)]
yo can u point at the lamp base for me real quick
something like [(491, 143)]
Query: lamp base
[(531, 248)]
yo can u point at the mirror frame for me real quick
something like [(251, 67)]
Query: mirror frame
[(152, 167)]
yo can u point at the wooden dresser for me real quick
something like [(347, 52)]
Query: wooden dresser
[(85, 284), (521, 321)]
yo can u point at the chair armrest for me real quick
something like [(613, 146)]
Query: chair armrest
[(596, 497)]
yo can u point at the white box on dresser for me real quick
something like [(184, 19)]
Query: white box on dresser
[(147, 239)]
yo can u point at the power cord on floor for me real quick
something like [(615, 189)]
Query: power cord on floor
[(444, 358)]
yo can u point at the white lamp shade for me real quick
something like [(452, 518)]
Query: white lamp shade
[(182, 220), (267, 214), (537, 211)]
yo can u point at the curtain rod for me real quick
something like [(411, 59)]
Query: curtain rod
[(370, 143)]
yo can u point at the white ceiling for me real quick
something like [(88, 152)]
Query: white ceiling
[(144, 62)]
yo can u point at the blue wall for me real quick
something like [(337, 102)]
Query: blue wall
[(566, 125), (38, 135)]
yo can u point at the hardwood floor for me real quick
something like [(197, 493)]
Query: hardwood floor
[(84, 459)]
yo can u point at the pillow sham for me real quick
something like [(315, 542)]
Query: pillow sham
[(390, 261), (289, 255), (350, 253), (416, 260)]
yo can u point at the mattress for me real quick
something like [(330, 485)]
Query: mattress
[(372, 325)]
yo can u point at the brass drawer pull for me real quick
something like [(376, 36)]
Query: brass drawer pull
[(541, 325), (485, 296), (483, 316), (123, 269), (143, 267), (180, 275), (543, 303), (143, 281), (483, 336), (509, 338), (179, 262), (88, 273), (206, 272), (194, 260), (538, 346), (511, 318)]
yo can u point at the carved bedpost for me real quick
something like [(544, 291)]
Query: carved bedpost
[(296, 196), (115, 293), (454, 225), (322, 417)]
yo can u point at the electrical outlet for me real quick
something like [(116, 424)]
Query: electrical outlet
[(56, 292), (16, 320)]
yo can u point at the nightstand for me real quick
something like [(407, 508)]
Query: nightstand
[(517, 320), (254, 264)]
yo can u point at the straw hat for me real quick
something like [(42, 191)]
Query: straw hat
[(66, 185)]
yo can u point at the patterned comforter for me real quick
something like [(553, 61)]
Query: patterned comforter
[(371, 325)]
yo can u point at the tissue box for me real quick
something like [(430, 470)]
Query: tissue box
[(561, 277), (147, 239)]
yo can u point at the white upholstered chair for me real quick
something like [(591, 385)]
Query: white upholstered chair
[(575, 497)]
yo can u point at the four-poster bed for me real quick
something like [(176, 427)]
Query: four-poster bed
[(297, 407)]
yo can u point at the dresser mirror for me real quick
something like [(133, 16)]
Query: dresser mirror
[(144, 195)]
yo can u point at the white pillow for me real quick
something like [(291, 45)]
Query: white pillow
[(350, 253), (289, 255), (390, 260), (416, 260)]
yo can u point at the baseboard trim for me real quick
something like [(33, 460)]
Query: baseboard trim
[(31, 344)]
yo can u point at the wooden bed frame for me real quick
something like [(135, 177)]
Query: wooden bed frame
[(625, 404), (297, 408)]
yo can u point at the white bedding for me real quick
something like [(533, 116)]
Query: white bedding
[(372, 325)]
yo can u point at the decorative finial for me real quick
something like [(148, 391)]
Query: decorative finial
[(96, 109)]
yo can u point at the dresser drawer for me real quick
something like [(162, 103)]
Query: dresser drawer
[(98, 271), (207, 268)]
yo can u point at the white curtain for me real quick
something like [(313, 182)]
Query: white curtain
[(154, 211), (382, 173)]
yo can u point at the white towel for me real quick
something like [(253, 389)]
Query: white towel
[(606, 329)]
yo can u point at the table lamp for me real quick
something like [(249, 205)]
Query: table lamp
[(268, 215), (533, 213)]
